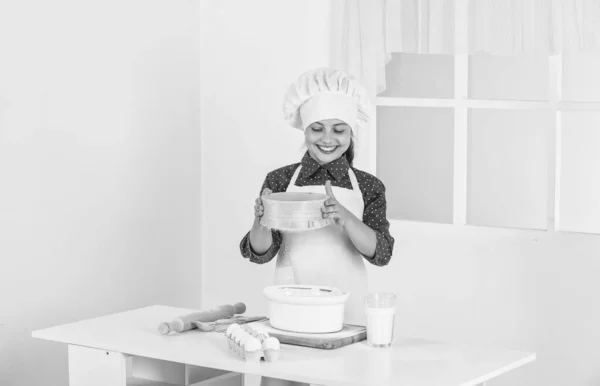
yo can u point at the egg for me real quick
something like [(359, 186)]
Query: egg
[(232, 328)]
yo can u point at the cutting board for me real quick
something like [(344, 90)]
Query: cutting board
[(348, 335)]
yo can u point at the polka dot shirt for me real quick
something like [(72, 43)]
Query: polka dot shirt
[(372, 189)]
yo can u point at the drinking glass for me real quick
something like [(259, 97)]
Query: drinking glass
[(380, 309)]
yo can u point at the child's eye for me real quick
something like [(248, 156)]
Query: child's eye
[(317, 129), (340, 129)]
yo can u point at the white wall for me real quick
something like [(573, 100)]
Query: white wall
[(99, 169), (529, 290), (511, 288), (250, 53)]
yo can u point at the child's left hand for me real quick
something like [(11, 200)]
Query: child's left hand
[(333, 209)]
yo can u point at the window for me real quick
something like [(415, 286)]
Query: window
[(503, 141)]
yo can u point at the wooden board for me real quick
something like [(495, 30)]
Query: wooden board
[(328, 341)]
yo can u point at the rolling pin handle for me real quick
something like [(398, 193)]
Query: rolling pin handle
[(239, 308), (164, 328)]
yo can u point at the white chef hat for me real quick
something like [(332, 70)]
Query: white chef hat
[(326, 93)]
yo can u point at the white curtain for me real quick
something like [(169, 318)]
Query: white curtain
[(372, 29), (534, 26), (359, 42)]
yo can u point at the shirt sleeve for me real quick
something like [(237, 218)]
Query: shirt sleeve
[(248, 252), (246, 248), (374, 216)]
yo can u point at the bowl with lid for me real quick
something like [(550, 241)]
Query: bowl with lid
[(306, 308)]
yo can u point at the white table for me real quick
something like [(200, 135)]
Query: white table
[(125, 349)]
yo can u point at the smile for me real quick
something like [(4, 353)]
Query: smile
[(327, 149)]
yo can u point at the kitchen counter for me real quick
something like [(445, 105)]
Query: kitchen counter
[(126, 349)]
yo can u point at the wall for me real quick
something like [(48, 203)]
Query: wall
[(99, 169), (249, 58), (529, 290)]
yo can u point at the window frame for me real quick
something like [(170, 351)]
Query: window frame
[(461, 103)]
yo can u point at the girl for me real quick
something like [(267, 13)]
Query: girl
[(329, 106)]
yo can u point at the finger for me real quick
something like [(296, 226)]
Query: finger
[(329, 209), (258, 201), (266, 191), (330, 202), (332, 215), (328, 190)]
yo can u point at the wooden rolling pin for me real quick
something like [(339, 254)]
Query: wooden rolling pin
[(186, 322)]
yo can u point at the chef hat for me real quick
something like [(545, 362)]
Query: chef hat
[(326, 93)]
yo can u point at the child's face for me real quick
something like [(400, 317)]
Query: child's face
[(327, 140)]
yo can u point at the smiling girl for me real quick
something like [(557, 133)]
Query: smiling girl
[(330, 107)]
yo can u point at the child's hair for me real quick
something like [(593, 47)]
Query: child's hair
[(350, 152)]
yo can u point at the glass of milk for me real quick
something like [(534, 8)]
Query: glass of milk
[(380, 308)]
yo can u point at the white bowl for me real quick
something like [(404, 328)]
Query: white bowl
[(306, 308)]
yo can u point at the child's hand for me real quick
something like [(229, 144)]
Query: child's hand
[(258, 206), (333, 209)]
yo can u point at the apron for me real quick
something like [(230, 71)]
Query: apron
[(326, 256)]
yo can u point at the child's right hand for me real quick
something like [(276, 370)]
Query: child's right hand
[(258, 206)]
